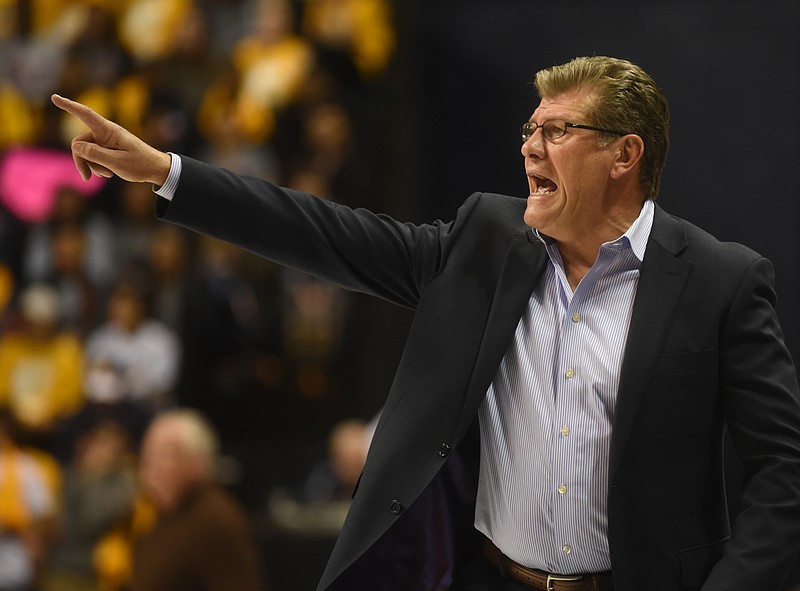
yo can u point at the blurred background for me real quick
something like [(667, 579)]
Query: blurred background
[(402, 107)]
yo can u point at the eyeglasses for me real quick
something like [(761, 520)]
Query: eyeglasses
[(552, 129)]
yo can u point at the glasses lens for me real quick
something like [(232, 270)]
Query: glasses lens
[(554, 129), (527, 131)]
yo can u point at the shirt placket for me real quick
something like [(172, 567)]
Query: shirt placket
[(567, 387), (571, 383)]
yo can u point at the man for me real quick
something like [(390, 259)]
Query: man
[(601, 346), (201, 539)]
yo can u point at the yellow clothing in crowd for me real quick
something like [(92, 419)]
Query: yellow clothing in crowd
[(113, 555), (270, 76), (159, 19), (40, 380), (19, 122), (15, 465), (363, 27)]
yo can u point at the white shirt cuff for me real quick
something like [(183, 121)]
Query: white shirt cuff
[(167, 190)]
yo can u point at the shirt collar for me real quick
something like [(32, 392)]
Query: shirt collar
[(639, 232), (636, 236)]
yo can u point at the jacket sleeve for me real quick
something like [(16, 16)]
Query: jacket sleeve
[(762, 411), (355, 248)]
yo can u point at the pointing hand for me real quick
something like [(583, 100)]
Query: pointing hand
[(108, 149)]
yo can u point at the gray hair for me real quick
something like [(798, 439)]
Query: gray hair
[(196, 435)]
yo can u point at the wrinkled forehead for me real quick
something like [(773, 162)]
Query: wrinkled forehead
[(573, 105)]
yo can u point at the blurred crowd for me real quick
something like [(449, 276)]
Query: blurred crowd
[(107, 317)]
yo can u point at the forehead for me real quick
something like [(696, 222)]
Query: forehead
[(571, 105), (163, 437)]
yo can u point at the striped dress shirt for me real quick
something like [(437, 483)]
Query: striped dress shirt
[(546, 420)]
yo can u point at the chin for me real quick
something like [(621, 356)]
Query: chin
[(533, 217), (543, 211), (529, 221)]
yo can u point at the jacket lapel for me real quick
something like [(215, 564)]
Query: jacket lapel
[(662, 280), (522, 269)]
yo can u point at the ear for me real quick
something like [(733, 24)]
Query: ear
[(628, 153)]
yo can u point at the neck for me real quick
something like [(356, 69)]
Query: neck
[(576, 263), (579, 253)]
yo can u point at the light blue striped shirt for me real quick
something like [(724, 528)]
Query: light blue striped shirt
[(546, 420), (167, 190)]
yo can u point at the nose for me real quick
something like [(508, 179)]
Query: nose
[(533, 147)]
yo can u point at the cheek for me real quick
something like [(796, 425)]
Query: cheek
[(155, 472)]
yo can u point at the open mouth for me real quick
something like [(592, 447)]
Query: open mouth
[(541, 185)]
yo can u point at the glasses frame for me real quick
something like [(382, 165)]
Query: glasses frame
[(529, 128)]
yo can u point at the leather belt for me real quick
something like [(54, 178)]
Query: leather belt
[(543, 581)]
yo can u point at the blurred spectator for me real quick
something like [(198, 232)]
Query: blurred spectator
[(271, 63), (113, 555), (314, 319), (335, 478), (202, 540), (40, 367), (11, 36), (227, 322), (360, 30), (79, 299), (27, 509), (98, 256), (160, 19), (314, 316), (95, 48), (136, 224), (227, 22), (143, 351), (188, 68), (98, 494), (62, 18), (330, 150), (17, 117), (38, 53), (168, 263), (224, 126)]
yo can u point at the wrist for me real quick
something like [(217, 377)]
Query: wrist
[(161, 169)]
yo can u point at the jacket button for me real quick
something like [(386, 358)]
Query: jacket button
[(444, 450), (395, 507)]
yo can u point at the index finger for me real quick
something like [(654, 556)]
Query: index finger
[(90, 118)]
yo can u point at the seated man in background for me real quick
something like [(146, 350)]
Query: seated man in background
[(201, 539)]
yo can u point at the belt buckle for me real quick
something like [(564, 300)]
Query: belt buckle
[(557, 579)]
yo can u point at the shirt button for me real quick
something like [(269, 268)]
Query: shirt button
[(576, 317), (570, 373), (566, 549), (562, 489), (565, 431)]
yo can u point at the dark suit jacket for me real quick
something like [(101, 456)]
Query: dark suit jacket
[(704, 352)]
